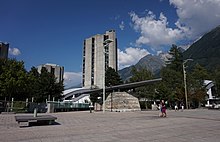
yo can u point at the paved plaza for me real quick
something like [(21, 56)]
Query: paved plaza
[(199, 125)]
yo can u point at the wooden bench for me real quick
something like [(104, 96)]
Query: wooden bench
[(39, 120)]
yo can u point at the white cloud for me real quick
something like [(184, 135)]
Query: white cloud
[(130, 56), (122, 25), (155, 32), (197, 16), (14, 51), (72, 79)]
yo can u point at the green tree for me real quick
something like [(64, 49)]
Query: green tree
[(95, 97), (146, 92), (140, 74), (48, 87), (176, 59), (16, 82), (34, 84), (13, 80), (216, 78), (171, 88), (195, 83), (112, 77), (171, 85)]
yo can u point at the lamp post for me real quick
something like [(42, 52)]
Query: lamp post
[(105, 44), (184, 79), (111, 97)]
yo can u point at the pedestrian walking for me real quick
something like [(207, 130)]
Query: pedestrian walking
[(160, 109), (182, 106), (176, 107), (164, 114)]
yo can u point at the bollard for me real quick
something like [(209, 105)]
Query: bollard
[(12, 104), (90, 107), (90, 110), (35, 112), (26, 102)]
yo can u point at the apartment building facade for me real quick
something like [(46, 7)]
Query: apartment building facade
[(97, 52), (57, 70)]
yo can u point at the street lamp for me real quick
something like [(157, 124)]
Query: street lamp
[(111, 97), (184, 79), (105, 44)]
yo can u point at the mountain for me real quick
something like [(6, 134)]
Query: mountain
[(150, 62), (205, 51)]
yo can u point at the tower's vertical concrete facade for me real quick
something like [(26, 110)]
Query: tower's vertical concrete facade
[(56, 70), (4, 47), (93, 58)]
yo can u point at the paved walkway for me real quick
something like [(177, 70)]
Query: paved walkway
[(199, 125)]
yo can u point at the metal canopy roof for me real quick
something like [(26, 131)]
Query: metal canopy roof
[(116, 87)]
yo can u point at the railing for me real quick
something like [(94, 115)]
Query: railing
[(69, 105), (21, 106), (28, 107), (66, 106)]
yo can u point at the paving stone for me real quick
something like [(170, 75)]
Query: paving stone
[(190, 125)]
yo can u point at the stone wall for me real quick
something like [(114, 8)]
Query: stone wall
[(121, 101)]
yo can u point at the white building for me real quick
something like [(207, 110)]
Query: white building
[(57, 70), (93, 58), (212, 100)]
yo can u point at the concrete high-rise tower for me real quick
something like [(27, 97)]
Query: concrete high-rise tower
[(93, 58), (56, 70), (4, 50)]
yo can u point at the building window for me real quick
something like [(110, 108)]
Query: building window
[(61, 74), (83, 82), (52, 70), (106, 37), (84, 48), (92, 61), (111, 30), (92, 81)]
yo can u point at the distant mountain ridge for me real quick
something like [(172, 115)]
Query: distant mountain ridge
[(206, 50), (152, 63)]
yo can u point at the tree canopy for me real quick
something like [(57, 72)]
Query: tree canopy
[(17, 83), (112, 77), (172, 85), (13, 79)]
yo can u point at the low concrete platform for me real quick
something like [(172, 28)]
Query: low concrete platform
[(199, 125), (38, 120), (8, 112)]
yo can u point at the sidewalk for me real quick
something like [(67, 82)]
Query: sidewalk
[(188, 126)]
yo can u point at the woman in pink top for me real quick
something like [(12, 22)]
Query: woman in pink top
[(163, 109)]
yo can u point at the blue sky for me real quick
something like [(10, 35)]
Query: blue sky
[(52, 31)]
